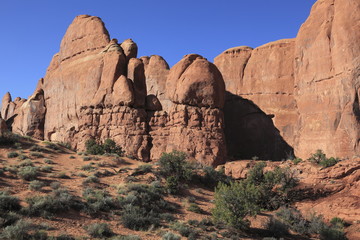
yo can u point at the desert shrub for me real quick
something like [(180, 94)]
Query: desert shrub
[(72, 157), (48, 205), (292, 218), (184, 229), (88, 167), (18, 231), (319, 157), (170, 236), (9, 138), (97, 201), (172, 185), (126, 237), (28, 173), (142, 169), (12, 154), (39, 235), (36, 148), (137, 218), (25, 163), (328, 233), (99, 230), (276, 227), (36, 154), (46, 168), (62, 175), (22, 157), (175, 164), (87, 158), (337, 222), (143, 205), (52, 146), (62, 237), (36, 185), (91, 179), (8, 203), (234, 202), (8, 218), (296, 160), (110, 146), (55, 185), (193, 207), (211, 177), (48, 161)]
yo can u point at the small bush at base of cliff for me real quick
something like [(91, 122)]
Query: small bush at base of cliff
[(319, 157), (109, 146)]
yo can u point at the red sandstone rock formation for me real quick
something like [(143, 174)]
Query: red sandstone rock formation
[(308, 85)]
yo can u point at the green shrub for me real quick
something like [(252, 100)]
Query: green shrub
[(337, 223), (277, 228), (62, 175), (296, 160), (8, 218), (8, 203), (46, 168), (48, 161), (174, 164), (93, 148), (332, 234), (49, 205), (143, 205), (26, 163), (36, 185), (9, 138), (319, 157), (234, 202), (172, 185), (142, 169), (72, 157), (52, 146), (91, 179), (170, 236), (55, 185), (18, 231), (87, 158), (36, 154), (183, 229), (193, 207), (22, 157), (137, 218), (36, 148), (63, 237), (88, 167), (12, 154), (110, 146), (99, 230), (28, 173), (292, 218), (97, 201), (211, 178)]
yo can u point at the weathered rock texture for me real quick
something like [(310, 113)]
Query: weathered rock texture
[(294, 94), (96, 88), (309, 85)]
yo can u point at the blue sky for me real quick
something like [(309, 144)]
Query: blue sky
[(31, 31)]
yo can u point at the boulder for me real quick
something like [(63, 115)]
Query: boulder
[(130, 49), (197, 82)]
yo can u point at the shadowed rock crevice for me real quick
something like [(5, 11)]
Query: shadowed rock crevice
[(249, 132)]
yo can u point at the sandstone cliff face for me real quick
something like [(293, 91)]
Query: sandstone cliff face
[(97, 88), (309, 85), (265, 77), (327, 69)]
